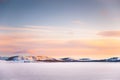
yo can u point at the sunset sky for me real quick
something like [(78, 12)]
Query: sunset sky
[(60, 28)]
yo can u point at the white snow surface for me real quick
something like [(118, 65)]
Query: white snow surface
[(60, 71)]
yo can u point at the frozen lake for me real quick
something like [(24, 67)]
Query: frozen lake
[(60, 71)]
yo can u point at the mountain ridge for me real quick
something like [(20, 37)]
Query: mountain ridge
[(50, 59)]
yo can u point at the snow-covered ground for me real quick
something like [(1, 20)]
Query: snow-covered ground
[(3, 61), (59, 71)]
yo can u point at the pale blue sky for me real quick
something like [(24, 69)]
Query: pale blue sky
[(17, 13)]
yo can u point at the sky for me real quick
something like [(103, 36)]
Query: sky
[(60, 28)]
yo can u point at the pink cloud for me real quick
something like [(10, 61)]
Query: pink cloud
[(110, 33)]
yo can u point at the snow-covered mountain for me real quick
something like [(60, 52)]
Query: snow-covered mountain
[(49, 59), (67, 59), (85, 59), (4, 58), (113, 59), (30, 58)]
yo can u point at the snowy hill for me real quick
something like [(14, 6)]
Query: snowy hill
[(49, 59), (30, 58)]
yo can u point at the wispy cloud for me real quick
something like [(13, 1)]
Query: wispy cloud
[(37, 42), (109, 33), (77, 22), (35, 46)]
